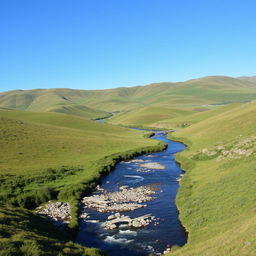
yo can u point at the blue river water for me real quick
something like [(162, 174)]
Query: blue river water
[(150, 239)]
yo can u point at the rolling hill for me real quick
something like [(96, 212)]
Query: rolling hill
[(207, 90)]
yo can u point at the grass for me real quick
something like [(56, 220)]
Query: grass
[(216, 199), (56, 156), (148, 116), (48, 155), (97, 102), (24, 233)]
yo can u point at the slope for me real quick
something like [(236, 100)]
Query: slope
[(50, 155), (216, 199), (206, 90), (48, 101), (148, 116), (24, 233)]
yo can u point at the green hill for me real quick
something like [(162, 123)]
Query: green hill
[(216, 199), (49, 101), (148, 116), (207, 90)]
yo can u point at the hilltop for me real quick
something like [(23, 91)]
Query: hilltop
[(95, 103)]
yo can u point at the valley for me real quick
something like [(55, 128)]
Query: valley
[(53, 149)]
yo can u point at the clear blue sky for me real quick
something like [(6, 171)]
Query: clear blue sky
[(96, 44)]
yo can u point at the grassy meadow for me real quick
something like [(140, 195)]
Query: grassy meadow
[(48, 156), (216, 199)]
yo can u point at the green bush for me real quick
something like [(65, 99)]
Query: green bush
[(31, 248)]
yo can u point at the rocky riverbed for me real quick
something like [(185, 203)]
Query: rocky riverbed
[(58, 212), (126, 199), (116, 219), (129, 214)]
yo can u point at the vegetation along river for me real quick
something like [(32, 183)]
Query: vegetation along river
[(163, 228)]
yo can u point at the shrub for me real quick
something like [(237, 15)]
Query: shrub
[(31, 248)]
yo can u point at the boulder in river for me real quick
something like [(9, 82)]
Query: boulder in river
[(136, 223)]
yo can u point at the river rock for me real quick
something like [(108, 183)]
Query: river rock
[(84, 215), (136, 223), (123, 187), (110, 226), (120, 201), (167, 251), (111, 217), (58, 212), (117, 215)]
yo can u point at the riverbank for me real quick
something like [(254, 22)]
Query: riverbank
[(50, 156), (118, 192), (216, 198)]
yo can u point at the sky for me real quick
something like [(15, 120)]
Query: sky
[(99, 44)]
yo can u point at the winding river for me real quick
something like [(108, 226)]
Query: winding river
[(150, 239)]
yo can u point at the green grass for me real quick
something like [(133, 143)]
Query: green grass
[(199, 114), (56, 156), (24, 233), (170, 95), (59, 152), (216, 199), (48, 155), (55, 140), (147, 116)]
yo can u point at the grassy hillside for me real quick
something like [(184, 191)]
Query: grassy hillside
[(24, 233), (217, 195), (190, 93), (49, 101), (32, 143), (195, 116), (148, 116), (54, 156), (251, 79)]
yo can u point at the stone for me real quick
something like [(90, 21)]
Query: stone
[(111, 217), (117, 215), (136, 223), (123, 187), (120, 201), (58, 212)]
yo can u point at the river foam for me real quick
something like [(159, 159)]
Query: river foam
[(113, 239)]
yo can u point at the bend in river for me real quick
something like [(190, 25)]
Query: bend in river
[(154, 177)]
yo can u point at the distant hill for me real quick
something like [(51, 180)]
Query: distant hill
[(212, 89), (154, 103), (251, 79), (49, 100)]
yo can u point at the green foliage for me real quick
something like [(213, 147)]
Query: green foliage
[(30, 248), (27, 234)]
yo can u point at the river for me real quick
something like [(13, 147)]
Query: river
[(150, 239)]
